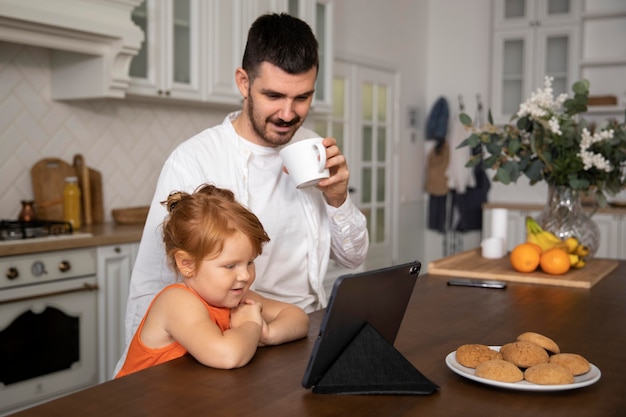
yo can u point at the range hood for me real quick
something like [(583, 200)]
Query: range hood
[(92, 42)]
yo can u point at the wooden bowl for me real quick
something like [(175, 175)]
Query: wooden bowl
[(130, 215)]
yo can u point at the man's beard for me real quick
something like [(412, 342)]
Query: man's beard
[(260, 127)]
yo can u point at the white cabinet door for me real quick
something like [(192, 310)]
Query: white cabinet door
[(524, 13), (557, 55), (612, 236), (319, 15), (114, 266), (531, 40), (512, 71), (182, 63), (169, 63), (144, 69), (193, 47), (225, 39)]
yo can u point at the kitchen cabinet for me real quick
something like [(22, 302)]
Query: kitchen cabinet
[(532, 39), (226, 32), (193, 47), (91, 43), (114, 267), (612, 235), (604, 63), (611, 222), (319, 15), (169, 62)]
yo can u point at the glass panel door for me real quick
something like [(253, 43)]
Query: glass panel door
[(181, 34), (514, 13), (337, 123), (321, 32), (362, 122), (375, 138), (557, 48), (182, 43), (139, 64), (374, 184), (513, 69), (512, 74), (557, 62), (145, 67), (515, 9), (318, 14), (558, 7)]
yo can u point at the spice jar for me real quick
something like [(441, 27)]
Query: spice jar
[(71, 202)]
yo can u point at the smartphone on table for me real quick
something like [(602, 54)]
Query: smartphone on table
[(473, 282)]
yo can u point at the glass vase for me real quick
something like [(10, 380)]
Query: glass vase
[(564, 216)]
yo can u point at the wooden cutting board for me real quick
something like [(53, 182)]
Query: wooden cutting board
[(48, 179), (471, 264)]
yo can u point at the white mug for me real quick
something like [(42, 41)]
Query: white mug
[(493, 248), (305, 161)]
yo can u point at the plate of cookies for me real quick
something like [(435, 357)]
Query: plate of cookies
[(533, 362)]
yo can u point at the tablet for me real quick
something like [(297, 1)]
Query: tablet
[(378, 298)]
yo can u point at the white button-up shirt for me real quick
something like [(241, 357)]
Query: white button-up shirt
[(221, 157)]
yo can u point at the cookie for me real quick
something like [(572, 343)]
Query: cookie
[(499, 370), (543, 341), (548, 374), (573, 362), (471, 355), (524, 354)]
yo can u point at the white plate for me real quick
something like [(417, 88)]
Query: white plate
[(589, 378)]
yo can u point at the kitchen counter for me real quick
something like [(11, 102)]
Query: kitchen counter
[(610, 209), (94, 235)]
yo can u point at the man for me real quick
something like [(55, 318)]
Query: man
[(307, 227)]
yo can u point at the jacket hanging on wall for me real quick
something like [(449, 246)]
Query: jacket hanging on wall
[(437, 124), (456, 193), (436, 182)]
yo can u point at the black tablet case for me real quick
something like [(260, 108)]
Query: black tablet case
[(368, 363)]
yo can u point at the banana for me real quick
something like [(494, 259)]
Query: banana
[(545, 239), (575, 247), (548, 240), (582, 250), (572, 244)]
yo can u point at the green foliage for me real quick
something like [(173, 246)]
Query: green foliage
[(550, 141)]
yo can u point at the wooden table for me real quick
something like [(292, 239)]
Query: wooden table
[(591, 322)]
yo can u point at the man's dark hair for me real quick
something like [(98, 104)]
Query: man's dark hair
[(281, 40)]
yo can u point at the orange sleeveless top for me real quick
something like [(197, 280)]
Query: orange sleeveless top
[(141, 356)]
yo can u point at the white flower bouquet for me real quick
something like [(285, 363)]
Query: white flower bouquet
[(551, 142)]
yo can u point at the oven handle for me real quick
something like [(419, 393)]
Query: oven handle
[(85, 287)]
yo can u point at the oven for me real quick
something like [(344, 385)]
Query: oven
[(48, 326)]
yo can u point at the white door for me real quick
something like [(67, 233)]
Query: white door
[(362, 122)]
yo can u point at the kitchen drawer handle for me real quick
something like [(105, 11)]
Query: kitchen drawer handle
[(85, 287)]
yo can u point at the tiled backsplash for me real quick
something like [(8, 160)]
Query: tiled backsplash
[(127, 141)]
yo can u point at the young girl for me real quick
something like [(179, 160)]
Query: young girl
[(212, 241)]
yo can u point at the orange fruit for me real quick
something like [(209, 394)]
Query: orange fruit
[(555, 261), (525, 257), (536, 246)]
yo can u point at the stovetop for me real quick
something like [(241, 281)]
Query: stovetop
[(11, 230)]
